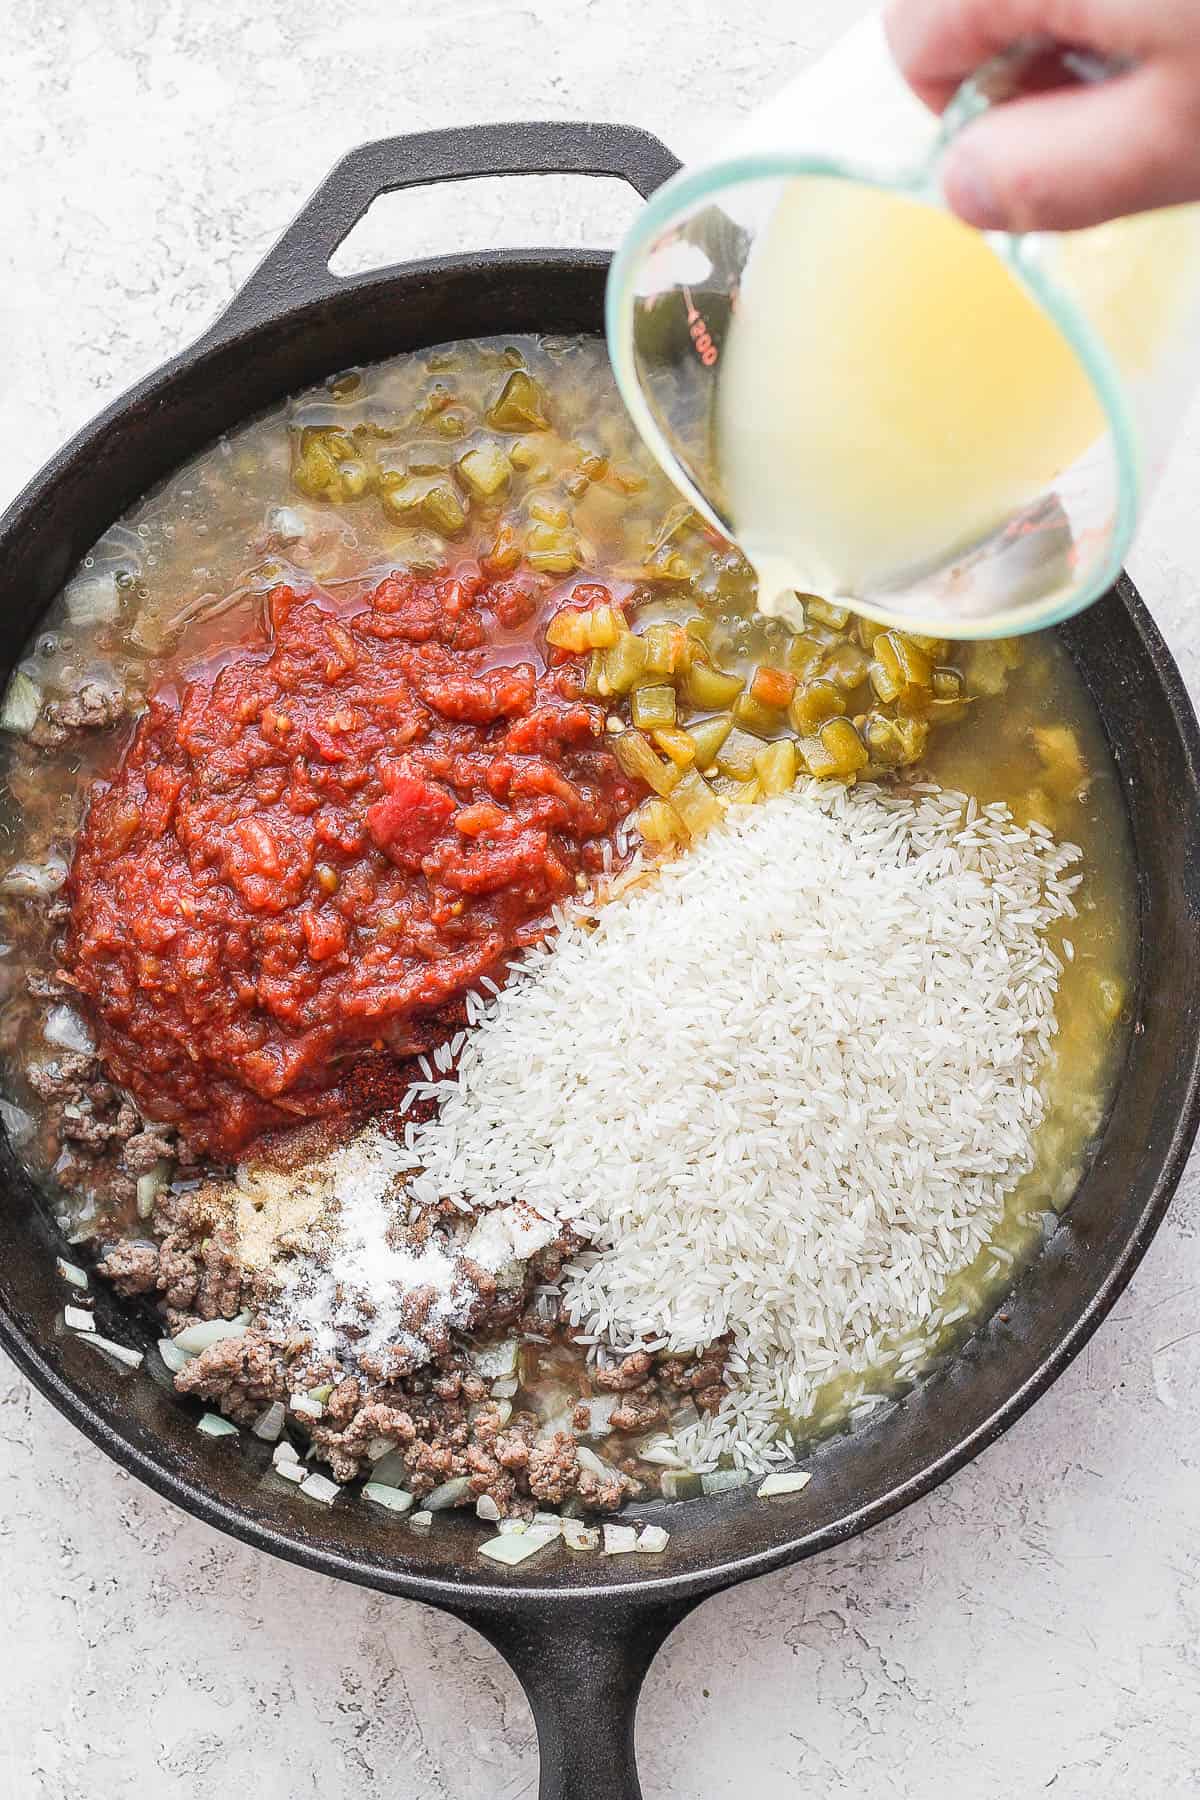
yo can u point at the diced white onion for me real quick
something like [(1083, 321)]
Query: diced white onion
[(421, 1521), (19, 1126), (782, 1484), (34, 880), (284, 1452), (378, 1448), (285, 523), (22, 704), (65, 1028), (318, 1487), (291, 1471), (131, 1359), (309, 1409), (175, 1358), (448, 1494), (487, 1510), (269, 1422), (68, 1270), (92, 599), (395, 1499), (495, 1362), (653, 1538), (619, 1540), (149, 1187), (510, 1550), (512, 1527), (723, 1481), (202, 1336), (213, 1425), (578, 1536), (77, 1318)]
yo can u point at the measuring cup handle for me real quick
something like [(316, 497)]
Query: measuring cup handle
[(1035, 65)]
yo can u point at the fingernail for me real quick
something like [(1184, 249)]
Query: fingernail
[(971, 192)]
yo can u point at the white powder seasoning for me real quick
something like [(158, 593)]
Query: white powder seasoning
[(367, 1264), (350, 1292)]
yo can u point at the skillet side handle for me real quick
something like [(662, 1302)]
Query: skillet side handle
[(296, 269), (582, 1666)]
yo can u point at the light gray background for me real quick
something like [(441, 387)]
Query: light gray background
[(1033, 1626)]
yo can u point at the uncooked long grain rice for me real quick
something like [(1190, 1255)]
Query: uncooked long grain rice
[(783, 1088)]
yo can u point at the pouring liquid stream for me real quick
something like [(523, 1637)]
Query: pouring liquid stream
[(889, 393)]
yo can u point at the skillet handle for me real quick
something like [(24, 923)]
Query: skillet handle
[(582, 1666), (297, 267)]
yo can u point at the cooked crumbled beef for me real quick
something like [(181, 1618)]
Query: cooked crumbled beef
[(64, 1078), (44, 985), (554, 1468), (132, 1268), (640, 1410), (605, 1493), (93, 708), (420, 1394), (241, 1375), (148, 1145), (702, 1377), (630, 1373)]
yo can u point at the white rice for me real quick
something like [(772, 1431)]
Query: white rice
[(783, 1089)]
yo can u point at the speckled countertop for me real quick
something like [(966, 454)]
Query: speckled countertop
[(1033, 1626)]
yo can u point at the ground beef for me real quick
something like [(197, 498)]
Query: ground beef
[(554, 1468), (630, 1373), (132, 1268), (241, 1375), (93, 708), (148, 1145)]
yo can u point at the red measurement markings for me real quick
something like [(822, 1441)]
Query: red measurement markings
[(706, 350)]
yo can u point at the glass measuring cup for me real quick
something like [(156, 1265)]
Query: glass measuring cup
[(1024, 516)]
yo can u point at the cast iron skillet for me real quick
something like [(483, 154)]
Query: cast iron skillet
[(581, 1632)]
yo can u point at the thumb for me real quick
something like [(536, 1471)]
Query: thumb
[(1078, 156)]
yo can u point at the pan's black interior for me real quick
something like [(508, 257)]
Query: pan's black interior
[(260, 353)]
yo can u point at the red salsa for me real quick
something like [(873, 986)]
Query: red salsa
[(306, 859)]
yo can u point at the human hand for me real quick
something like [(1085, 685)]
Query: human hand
[(1073, 156)]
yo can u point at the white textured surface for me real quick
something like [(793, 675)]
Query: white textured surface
[(1033, 1626)]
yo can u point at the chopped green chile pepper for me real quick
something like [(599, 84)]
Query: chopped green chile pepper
[(354, 478), (659, 823), (814, 702), (752, 715), (847, 667), (435, 500), (695, 802), (675, 744), (636, 756), (595, 676), (666, 649), (653, 708), (709, 689), (736, 755), (547, 511), (947, 684), (775, 766), (836, 751), (804, 653), (708, 735), (836, 616), (893, 743), (520, 405), (905, 662), (486, 470), (623, 663)]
